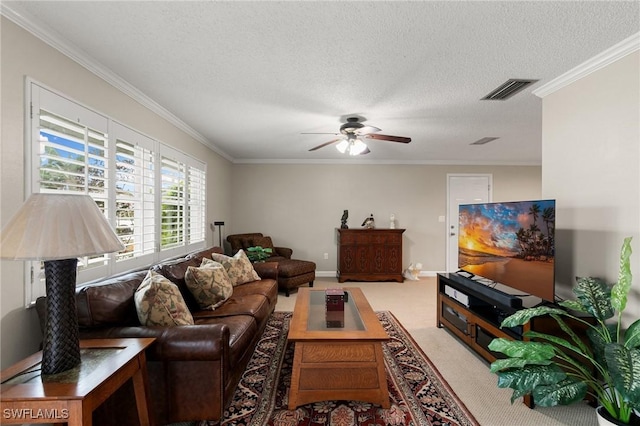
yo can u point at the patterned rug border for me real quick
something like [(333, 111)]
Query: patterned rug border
[(258, 394), (442, 382)]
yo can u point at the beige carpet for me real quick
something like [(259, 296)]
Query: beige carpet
[(414, 304)]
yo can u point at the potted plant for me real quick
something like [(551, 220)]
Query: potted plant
[(558, 371), (258, 253)]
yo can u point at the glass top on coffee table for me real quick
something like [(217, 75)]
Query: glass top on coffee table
[(312, 319)]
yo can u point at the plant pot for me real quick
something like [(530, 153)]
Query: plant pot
[(605, 420)]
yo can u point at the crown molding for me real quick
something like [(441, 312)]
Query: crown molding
[(28, 23), (363, 162), (620, 50)]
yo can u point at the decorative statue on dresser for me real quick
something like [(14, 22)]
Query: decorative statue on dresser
[(369, 223), (343, 220)]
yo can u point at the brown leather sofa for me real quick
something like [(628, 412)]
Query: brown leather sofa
[(194, 369), (292, 273)]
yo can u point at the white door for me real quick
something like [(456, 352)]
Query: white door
[(462, 189)]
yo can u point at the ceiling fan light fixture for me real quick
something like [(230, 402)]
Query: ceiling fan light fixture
[(351, 146), (342, 146), (357, 147)]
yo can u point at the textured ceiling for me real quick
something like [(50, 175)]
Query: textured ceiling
[(250, 77)]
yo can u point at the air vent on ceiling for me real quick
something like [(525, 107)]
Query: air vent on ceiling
[(483, 141), (508, 89)]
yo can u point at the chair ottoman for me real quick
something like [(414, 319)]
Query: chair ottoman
[(292, 273)]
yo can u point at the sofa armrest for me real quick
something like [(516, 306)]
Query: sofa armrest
[(202, 342), (283, 251)]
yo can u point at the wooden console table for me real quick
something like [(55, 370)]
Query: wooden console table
[(370, 255), (72, 396)]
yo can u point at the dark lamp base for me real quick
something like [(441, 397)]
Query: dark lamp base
[(61, 347)]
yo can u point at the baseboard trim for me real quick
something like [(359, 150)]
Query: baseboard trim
[(332, 274)]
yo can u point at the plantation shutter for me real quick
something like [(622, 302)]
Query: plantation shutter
[(71, 157), (173, 198), (197, 204), (182, 199), (134, 197), (153, 195)]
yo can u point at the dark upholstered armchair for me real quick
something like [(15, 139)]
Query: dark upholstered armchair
[(244, 241), (292, 273)]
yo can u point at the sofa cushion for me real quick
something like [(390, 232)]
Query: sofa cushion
[(267, 287), (175, 270), (209, 284), (109, 302), (238, 267), (253, 305), (159, 302)]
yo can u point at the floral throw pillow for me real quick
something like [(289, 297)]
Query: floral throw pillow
[(209, 284), (159, 302), (238, 267)]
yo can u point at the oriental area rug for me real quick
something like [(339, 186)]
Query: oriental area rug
[(419, 395)]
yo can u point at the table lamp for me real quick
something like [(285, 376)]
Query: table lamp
[(57, 229)]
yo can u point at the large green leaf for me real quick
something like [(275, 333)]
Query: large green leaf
[(559, 341), (519, 349), (632, 335), (598, 341), (565, 392), (524, 380), (624, 366), (523, 316), (621, 288), (515, 363), (595, 296), (573, 305)]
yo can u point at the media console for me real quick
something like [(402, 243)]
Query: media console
[(473, 312)]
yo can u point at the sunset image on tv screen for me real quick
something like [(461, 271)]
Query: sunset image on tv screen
[(510, 243)]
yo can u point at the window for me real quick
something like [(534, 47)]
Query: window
[(182, 200), (152, 194), (173, 203), (135, 217)]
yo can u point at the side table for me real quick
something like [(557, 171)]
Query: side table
[(71, 396)]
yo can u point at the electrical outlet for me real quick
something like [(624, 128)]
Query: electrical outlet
[(326, 255)]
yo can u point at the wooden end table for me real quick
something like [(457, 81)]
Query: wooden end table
[(72, 396), (336, 356)]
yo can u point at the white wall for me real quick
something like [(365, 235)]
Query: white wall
[(300, 206), (591, 165), (24, 55)]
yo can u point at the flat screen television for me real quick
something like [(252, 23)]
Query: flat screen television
[(510, 243)]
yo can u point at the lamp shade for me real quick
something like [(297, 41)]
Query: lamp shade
[(57, 226)]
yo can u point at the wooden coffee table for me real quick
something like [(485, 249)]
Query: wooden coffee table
[(336, 356)]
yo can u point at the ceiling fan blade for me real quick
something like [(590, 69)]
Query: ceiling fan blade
[(325, 144), (365, 130), (400, 139), (323, 133)]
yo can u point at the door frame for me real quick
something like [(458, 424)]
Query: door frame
[(448, 216)]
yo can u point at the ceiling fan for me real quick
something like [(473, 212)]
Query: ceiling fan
[(353, 131)]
